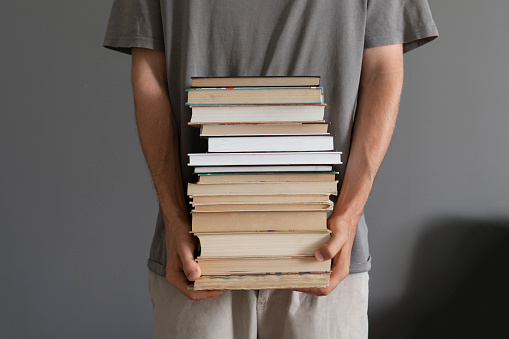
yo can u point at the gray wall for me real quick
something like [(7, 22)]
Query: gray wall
[(77, 208)]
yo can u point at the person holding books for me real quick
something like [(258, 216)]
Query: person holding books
[(356, 48)]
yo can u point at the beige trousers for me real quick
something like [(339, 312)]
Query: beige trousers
[(264, 314)]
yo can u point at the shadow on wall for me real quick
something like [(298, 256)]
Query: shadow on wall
[(458, 287)]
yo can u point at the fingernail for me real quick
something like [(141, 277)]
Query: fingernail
[(319, 256), (193, 275)]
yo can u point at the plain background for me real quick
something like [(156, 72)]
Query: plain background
[(77, 208)]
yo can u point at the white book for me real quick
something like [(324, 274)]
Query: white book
[(269, 169), (271, 158), (271, 143), (256, 113)]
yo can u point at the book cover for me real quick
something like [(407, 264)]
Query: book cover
[(256, 114), (209, 130), (255, 81), (254, 168), (281, 143), (254, 95), (269, 158), (239, 177)]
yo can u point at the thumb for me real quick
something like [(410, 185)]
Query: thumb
[(330, 248), (189, 265)]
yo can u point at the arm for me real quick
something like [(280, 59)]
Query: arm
[(159, 141), (379, 93)]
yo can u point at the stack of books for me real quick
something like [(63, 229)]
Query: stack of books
[(261, 201)]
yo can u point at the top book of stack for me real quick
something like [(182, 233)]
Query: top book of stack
[(260, 81)]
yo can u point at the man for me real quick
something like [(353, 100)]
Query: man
[(356, 47)]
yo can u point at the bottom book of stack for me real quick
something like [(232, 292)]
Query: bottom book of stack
[(266, 281)]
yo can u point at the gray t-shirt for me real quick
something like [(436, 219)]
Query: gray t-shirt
[(266, 37)]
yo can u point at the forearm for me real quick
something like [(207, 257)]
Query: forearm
[(378, 102), (159, 137)]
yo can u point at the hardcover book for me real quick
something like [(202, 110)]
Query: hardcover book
[(254, 95), (254, 168), (283, 143), (255, 81), (256, 114), (212, 130), (259, 198), (224, 178), (269, 158)]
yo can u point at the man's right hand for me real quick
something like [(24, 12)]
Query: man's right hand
[(180, 264), (159, 141)]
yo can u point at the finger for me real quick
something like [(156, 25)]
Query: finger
[(180, 282), (319, 292), (332, 247), (189, 265), (340, 267)]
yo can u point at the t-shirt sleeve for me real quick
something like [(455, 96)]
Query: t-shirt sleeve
[(391, 22), (134, 23)]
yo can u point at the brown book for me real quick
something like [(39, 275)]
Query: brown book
[(260, 282), (255, 95), (265, 177), (265, 188), (252, 221), (270, 206), (261, 244), (243, 266), (263, 129), (255, 81), (256, 198)]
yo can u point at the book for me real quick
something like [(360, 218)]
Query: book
[(259, 282), (297, 187), (210, 130), (259, 198), (243, 266), (223, 178), (254, 95), (246, 169), (256, 114), (281, 143), (255, 81), (271, 206), (262, 220), (272, 158), (260, 244)]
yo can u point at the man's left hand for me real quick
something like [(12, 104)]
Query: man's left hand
[(339, 249)]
